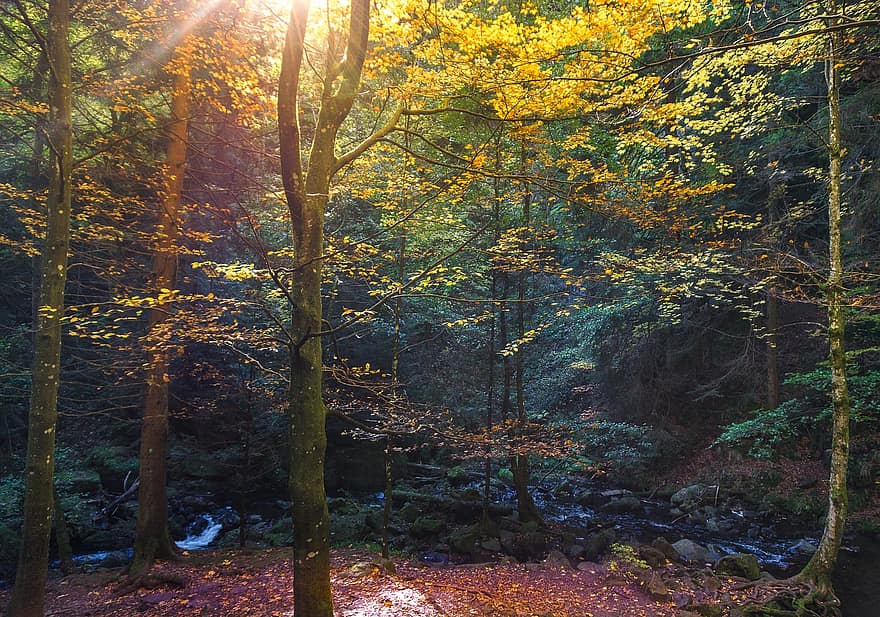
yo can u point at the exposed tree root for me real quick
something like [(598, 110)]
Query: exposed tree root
[(152, 580), (793, 597)]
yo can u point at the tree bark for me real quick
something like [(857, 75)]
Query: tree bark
[(62, 536), (307, 199), (28, 595), (521, 469), (772, 353), (395, 375), (822, 564), (490, 378), (152, 539)]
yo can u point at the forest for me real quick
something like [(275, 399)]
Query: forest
[(429, 308)]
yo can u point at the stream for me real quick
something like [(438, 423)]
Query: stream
[(200, 533)]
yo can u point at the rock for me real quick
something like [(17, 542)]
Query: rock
[(588, 499), (598, 543), (83, 481), (652, 556), (115, 559), (656, 587), (591, 567), (663, 545), (692, 497), (409, 512), (564, 489), (426, 526), (739, 564), (493, 545), (558, 560), (804, 548), (574, 551), (615, 493), (688, 550), (623, 505), (464, 540), (457, 475), (529, 545)]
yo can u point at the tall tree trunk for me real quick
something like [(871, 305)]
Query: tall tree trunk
[(821, 566), (28, 595), (62, 536), (152, 539), (772, 353), (490, 386), (395, 376), (520, 463), (307, 200)]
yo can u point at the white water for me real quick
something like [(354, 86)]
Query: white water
[(194, 542)]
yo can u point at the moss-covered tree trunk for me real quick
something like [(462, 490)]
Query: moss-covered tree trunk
[(307, 194), (28, 595), (152, 539), (822, 564)]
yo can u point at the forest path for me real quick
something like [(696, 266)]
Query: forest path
[(259, 584)]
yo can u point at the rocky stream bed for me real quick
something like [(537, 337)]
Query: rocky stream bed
[(437, 516)]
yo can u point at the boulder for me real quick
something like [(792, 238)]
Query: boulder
[(652, 556), (557, 560), (426, 526), (663, 545), (623, 505), (528, 546), (691, 497), (739, 564), (656, 588), (574, 551), (591, 567), (690, 551), (598, 543), (464, 539)]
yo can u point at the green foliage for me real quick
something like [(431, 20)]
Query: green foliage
[(798, 504), (625, 560), (625, 447), (506, 476), (767, 430)]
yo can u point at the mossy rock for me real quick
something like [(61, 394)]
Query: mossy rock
[(457, 475), (426, 526), (739, 564), (598, 543), (86, 481), (112, 464), (409, 512), (464, 539)]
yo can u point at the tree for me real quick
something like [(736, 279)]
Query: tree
[(821, 565), (28, 595), (152, 538), (307, 191)]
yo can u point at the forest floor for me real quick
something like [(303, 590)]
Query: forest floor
[(258, 583)]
